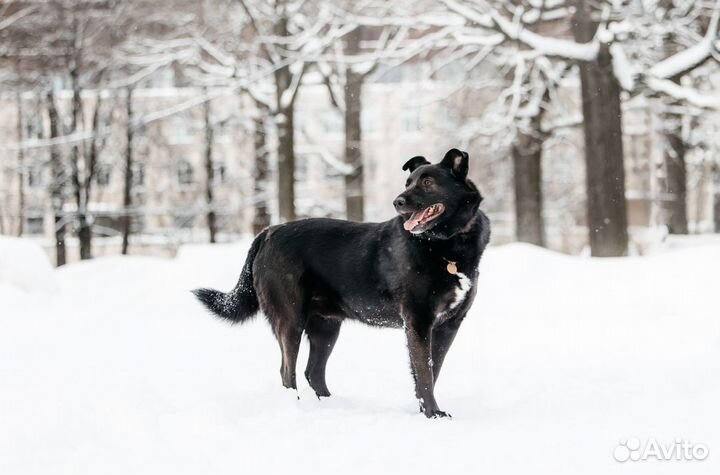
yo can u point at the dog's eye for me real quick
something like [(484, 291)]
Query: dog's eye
[(427, 181)]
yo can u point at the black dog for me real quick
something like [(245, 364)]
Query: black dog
[(417, 271)]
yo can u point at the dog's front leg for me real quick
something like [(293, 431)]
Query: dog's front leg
[(419, 336), (442, 338)]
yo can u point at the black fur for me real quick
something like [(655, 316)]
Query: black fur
[(415, 162), (309, 275)]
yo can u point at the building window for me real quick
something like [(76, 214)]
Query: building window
[(185, 173), (34, 177), (32, 128), (447, 117), (301, 166), (181, 129), (413, 122), (141, 133), (102, 176), (137, 223), (183, 220), (300, 121), (138, 174), (218, 173), (34, 225), (162, 78), (222, 132), (332, 122), (368, 120)]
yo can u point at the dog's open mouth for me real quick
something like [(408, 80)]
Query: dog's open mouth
[(418, 222)]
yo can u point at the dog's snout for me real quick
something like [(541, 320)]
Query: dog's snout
[(399, 202)]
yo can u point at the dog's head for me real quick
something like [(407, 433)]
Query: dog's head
[(439, 200)]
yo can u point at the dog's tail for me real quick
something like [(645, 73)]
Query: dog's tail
[(241, 303)]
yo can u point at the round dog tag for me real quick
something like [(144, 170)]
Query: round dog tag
[(452, 268)]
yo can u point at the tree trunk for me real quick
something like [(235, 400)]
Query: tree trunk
[(285, 117), (675, 182), (84, 234), (261, 218), (127, 186), (57, 168), (286, 165), (527, 173), (85, 220), (354, 201), (209, 178), (21, 166), (604, 161), (716, 200)]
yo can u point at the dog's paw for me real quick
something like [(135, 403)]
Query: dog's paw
[(436, 414)]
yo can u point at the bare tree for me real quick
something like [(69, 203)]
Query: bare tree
[(345, 78), (716, 199), (674, 25), (377, 33), (58, 180), (353, 130), (527, 151), (128, 170), (287, 38), (20, 165), (209, 170), (261, 173), (525, 85), (604, 156), (273, 21), (83, 189), (89, 44), (70, 41), (605, 175)]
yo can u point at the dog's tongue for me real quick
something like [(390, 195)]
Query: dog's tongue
[(415, 219)]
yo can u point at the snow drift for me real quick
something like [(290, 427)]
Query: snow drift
[(25, 265)]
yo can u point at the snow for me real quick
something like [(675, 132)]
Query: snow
[(560, 48), (25, 266), (604, 35), (622, 68), (690, 57), (691, 95), (120, 371)]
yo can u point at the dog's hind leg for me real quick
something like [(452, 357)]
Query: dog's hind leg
[(287, 314), (322, 334), (289, 339)]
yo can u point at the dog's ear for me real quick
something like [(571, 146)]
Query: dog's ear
[(457, 161), (415, 162)]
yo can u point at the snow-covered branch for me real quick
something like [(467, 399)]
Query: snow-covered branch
[(687, 94), (685, 60), (489, 18)]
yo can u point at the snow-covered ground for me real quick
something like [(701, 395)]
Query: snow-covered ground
[(111, 367)]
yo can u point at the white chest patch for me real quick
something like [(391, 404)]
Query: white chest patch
[(464, 286), (461, 291)]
